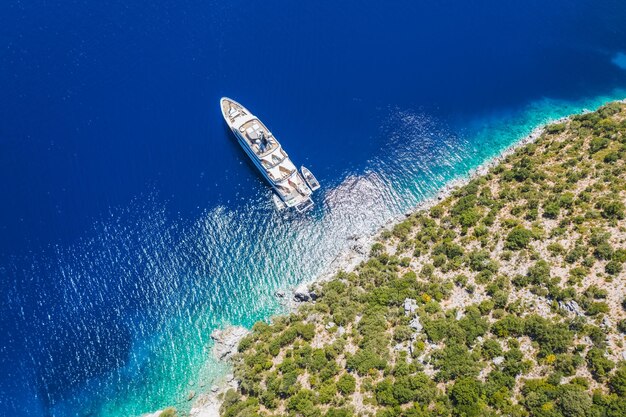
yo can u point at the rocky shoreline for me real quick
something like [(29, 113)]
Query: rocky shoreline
[(359, 250), (227, 339)]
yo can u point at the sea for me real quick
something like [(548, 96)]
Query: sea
[(131, 223)]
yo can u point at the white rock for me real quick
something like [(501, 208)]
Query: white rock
[(301, 293), (341, 331), (360, 249), (330, 325), (226, 341), (416, 325), (572, 306), (459, 315), (498, 360), (410, 306)]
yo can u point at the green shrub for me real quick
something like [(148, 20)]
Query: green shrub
[(574, 401), (613, 268), (384, 393), (491, 348), (306, 331), (552, 337), (518, 238), (539, 273), (597, 144), (466, 397), (346, 384), (303, 403), (613, 209), (618, 381), (555, 128), (339, 412), (598, 364), (377, 249), (551, 210), (611, 157), (364, 360)]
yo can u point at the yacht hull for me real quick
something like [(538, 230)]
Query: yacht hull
[(267, 155)]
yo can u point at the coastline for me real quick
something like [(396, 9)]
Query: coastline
[(359, 251), (208, 404)]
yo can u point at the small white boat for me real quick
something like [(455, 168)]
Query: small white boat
[(310, 179)]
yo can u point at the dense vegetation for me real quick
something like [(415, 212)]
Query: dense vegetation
[(506, 298)]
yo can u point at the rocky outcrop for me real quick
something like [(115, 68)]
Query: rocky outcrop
[(302, 293), (416, 325), (208, 404), (410, 306), (226, 341), (572, 307)]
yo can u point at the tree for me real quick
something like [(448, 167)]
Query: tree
[(303, 404), (338, 412), (346, 384), (574, 402), (402, 391), (598, 364), (618, 381), (613, 209), (364, 360), (518, 238), (491, 349), (613, 268), (465, 395), (424, 388), (384, 393)]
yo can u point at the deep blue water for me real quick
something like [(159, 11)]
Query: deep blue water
[(132, 224)]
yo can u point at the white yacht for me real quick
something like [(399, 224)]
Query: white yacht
[(292, 190)]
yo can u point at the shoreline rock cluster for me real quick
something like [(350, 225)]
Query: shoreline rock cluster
[(226, 341)]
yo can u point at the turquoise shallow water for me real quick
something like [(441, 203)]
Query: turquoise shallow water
[(204, 275)]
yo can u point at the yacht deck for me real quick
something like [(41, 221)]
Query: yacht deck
[(284, 176)]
